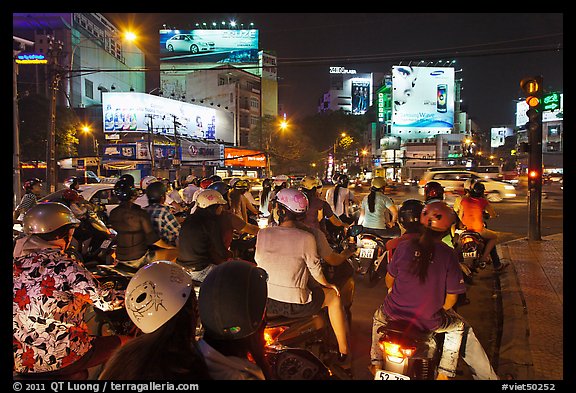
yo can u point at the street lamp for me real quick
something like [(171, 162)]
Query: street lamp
[(87, 130), (282, 126)]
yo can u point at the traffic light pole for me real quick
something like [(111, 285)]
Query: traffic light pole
[(535, 185)]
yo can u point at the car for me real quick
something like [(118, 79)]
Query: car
[(188, 43), (97, 193), (453, 182)]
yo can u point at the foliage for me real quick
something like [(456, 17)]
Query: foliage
[(34, 114)]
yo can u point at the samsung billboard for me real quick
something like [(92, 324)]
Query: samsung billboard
[(422, 98), (140, 112), (209, 46)]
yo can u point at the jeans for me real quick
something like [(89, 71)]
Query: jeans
[(453, 325)]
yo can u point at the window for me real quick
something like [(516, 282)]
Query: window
[(89, 88), (254, 103)]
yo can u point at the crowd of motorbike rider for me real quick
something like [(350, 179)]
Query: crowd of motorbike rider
[(287, 270)]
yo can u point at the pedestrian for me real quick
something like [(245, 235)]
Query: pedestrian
[(32, 191)]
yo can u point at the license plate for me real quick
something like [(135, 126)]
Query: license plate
[(366, 252), (105, 243), (382, 375), (469, 254)]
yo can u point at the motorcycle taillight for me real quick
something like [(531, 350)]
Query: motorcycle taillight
[(272, 333), (395, 352), (467, 239)]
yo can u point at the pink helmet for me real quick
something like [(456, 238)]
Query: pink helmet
[(437, 216), (293, 200)]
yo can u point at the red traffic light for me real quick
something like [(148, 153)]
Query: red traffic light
[(533, 174)]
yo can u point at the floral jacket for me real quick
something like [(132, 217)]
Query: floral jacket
[(51, 295)]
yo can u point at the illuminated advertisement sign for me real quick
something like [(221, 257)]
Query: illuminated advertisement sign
[(383, 103), (138, 112), (422, 97), (360, 96), (209, 46), (553, 109), (244, 157), (31, 58), (498, 136)]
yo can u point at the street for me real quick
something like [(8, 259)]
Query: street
[(482, 312)]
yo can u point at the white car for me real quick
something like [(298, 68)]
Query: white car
[(187, 43), (453, 182), (98, 193)]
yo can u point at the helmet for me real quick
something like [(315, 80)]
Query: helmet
[(219, 186), (377, 183), (281, 179), (309, 182), (233, 181), (343, 180), (241, 185), (155, 191), (156, 293), (190, 178), (215, 178), (46, 217), (208, 198), (127, 177), (146, 181), (72, 182), (232, 300), (477, 189), (124, 190), (433, 190), (437, 216), (205, 183), (28, 184), (294, 200), (409, 212), (71, 195), (267, 182)]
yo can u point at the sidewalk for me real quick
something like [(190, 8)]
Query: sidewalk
[(532, 345)]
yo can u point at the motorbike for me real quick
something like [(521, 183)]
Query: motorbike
[(289, 364), (95, 242), (372, 258), (470, 246), (409, 352)]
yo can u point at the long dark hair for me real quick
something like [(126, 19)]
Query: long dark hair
[(424, 252), (372, 199), (265, 191), (170, 352), (250, 347), (335, 196), (234, 196)]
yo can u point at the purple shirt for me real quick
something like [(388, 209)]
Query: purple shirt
[(422, 302)]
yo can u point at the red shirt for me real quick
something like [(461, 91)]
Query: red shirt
[(472, 209)]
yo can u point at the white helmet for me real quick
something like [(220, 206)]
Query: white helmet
[(156, 293), (278, 180), (190, 178), (146, 181), (208, 198), (233, 181), (293, 200)]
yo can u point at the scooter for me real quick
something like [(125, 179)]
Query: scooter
[(289, 364), (409, 353), (371, 259)]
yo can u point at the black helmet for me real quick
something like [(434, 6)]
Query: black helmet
[(343, 180), (127, 177), (409, 213), (232, 300), (433, 190), (28, 184), (215, 178), (123, 190), (155, 191), (477, 189), (219, 186), (72, 183)]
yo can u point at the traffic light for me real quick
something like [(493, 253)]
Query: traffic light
[(532, 88), (533, 178)]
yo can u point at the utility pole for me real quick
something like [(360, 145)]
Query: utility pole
[(151, 143), (54, 50), (177, 157)]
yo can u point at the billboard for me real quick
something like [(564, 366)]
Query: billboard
[(137, 112), (498, 136), (244, 158), (553, 109), (422, 97), (360, 96), (209, 46)]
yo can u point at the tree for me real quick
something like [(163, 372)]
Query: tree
[(34, 113)]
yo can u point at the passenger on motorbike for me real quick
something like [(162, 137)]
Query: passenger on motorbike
[(280, 182), (142, 200), (164, 222), (378, 213), (471, 214), (232, 304), (238, 203), (424, 280), (318, 209), (72, 183), (201, 246), (135, 232), (193, 184), (409, 220), (161, 301), (340, 197), (289, 255), (52, 293), (264, 197), (32, 191)]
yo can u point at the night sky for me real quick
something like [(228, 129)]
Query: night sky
[(493, 50)]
